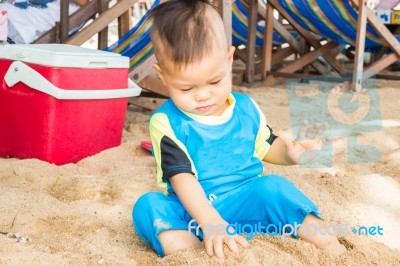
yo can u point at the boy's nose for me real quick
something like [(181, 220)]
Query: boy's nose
[(202, 94)]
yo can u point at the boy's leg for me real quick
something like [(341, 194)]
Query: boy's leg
[(160, 221), (173, 240), (270, 200), (321, 237)]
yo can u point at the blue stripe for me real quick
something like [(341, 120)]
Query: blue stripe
[(331, 13)]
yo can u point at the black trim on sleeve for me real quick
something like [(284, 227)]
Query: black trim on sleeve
[(173, 160), (272, 137)]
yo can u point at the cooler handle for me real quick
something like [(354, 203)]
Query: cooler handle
[(20, 72)]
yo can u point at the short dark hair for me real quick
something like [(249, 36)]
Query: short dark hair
[(181, 31)]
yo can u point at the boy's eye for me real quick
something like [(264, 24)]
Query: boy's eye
[(186, 89), (215, 83)]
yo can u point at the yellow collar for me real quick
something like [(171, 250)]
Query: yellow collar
[(217, 119)]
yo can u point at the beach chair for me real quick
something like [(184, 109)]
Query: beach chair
[(136, 44), (284, 42), (240, 24), (343, 23), (241, 36)]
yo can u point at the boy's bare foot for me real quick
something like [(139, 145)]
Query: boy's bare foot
[(320, 238), (334, 247)]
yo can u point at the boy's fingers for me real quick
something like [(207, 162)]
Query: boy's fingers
[(321, 133), (302, 130), (209, 248), (231, 243), (312, 131), (327, 139), (218, 248), (243, 242)]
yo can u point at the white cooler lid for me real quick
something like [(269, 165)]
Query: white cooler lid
[(63, 55)]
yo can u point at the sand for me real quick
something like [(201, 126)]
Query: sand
[(80, 214)]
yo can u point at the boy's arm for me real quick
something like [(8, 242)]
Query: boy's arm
[(289, 152), (282, 151), (277, 153), (269, 147), (193, 198)]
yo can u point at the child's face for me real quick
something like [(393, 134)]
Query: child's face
[(202, 87)]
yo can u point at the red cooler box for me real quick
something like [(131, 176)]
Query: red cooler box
[(61, 103)]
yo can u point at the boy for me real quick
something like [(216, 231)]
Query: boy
[(209, 144)]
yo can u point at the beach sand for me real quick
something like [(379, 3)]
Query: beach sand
[(80, 214)]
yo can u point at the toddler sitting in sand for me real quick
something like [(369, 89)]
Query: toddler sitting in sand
[(209, 144)]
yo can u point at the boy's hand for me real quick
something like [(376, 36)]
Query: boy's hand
[(214, 242), (309, 138)]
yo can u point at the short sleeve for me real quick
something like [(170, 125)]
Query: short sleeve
[(265, 137), (171, 155)]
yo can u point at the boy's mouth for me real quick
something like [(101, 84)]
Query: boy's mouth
[(204, 108)]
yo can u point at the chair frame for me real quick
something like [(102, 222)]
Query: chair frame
[(295, 46), (359, 73), (366, 15)]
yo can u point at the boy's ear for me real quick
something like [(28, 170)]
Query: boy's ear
[(231, 52), (159, 72)]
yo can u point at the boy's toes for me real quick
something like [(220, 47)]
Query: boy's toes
[(336, 249)]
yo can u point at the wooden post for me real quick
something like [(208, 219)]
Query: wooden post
[(381, 29), (102, 41), (124, 22), (360, 45), (387, 37), (251, 41), (268, 39), (64, 20)]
